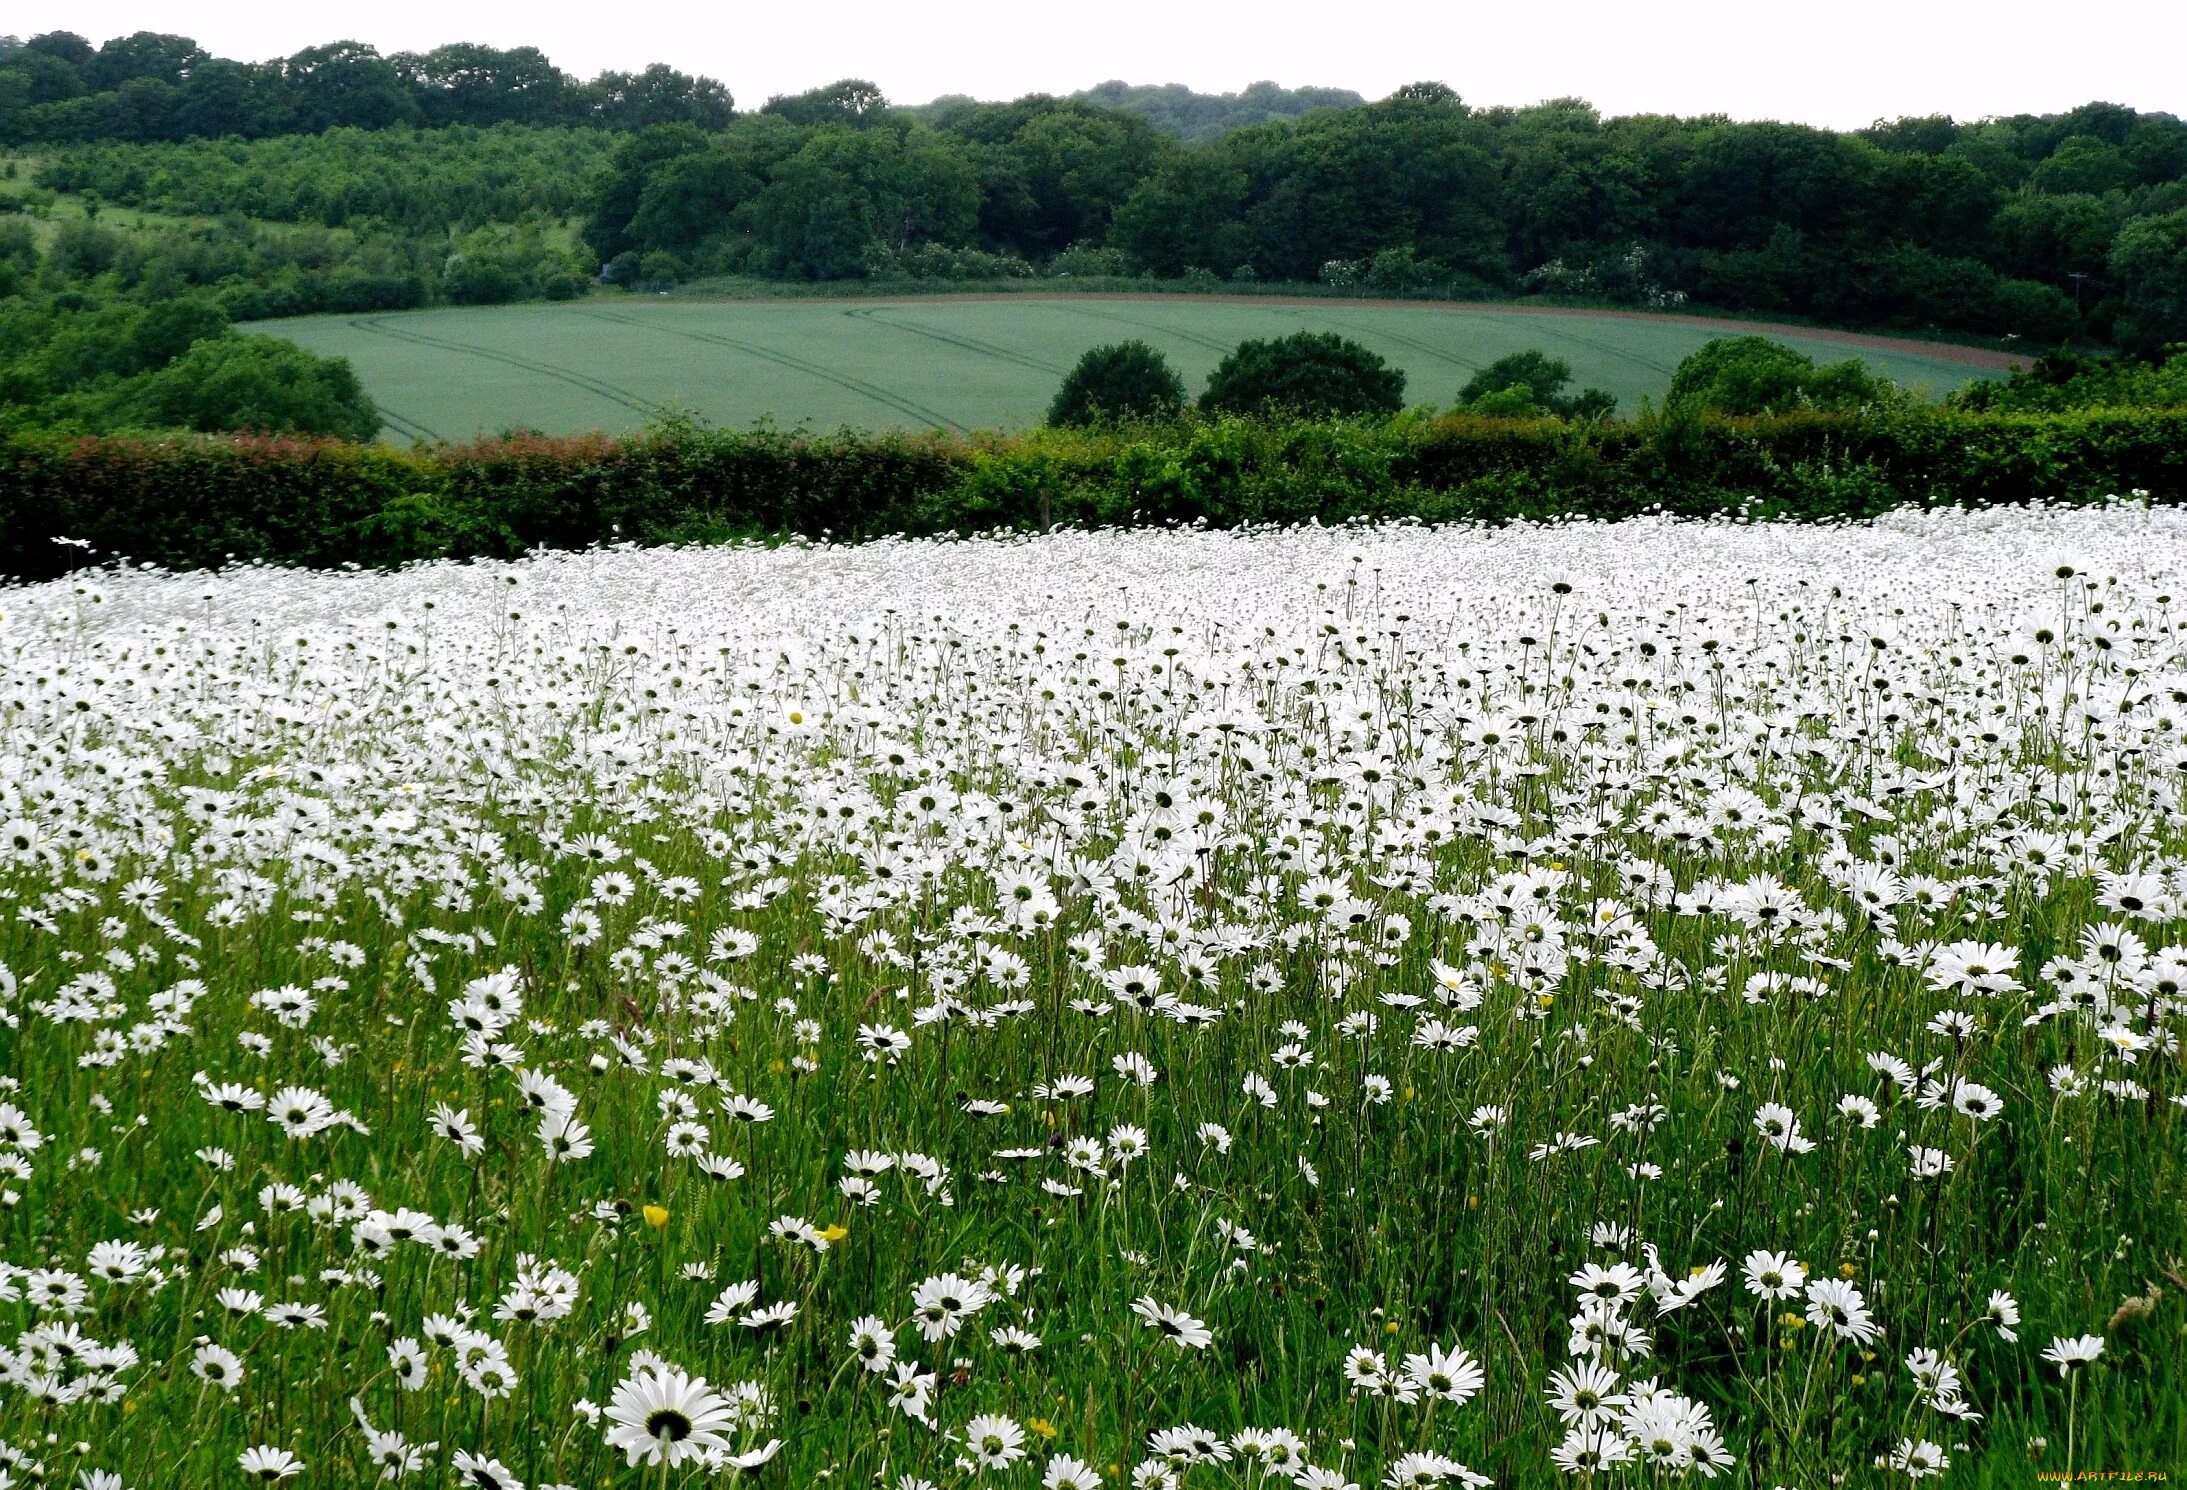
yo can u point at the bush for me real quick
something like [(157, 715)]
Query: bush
[(1531, 383), (660, 268), (247, 382), (471, 279), (1309, 373), (1088, 261), (1124, 381), (2065, 380), (941, 261), (1755, 375)]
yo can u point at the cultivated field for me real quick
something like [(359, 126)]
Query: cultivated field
[(956, 363), (1326, 1008)]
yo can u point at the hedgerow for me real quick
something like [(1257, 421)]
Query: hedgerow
[(203, 500)]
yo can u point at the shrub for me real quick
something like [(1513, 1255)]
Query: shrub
[(471, 279), (1088, 261), (1755, 375), (1309, 373), (2064, 380), (247, 382), (1124, 381), (660, 268), (1528, 383)]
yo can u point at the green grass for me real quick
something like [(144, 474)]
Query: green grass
[(612, 363)]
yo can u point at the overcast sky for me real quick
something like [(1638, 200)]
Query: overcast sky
[(1842, 63)]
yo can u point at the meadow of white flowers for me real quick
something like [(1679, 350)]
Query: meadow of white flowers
[(1639, 1002)]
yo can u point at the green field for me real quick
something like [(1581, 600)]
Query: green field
[(969, 363)]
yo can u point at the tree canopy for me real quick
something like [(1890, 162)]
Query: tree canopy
[(1755, 375), (1528, 383), (2041, 228), (1117, 384), (1311, 373)]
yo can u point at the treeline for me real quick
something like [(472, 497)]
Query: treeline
[(414, 180), (59, 88), (2046, 228), (2039, 228), (1180, 112), (191, 501), (2050, 229), (1177, 110), (256, 270)]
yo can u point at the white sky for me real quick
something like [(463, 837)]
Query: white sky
[(1841, 64)]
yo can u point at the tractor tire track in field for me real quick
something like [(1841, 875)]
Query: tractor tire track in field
[(969, 343), (860, 386), (591, 385), (1425, 348), (1617, 353), (1177, 331), (408, 427)]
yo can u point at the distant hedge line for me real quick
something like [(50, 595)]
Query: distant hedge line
[(192, 501)]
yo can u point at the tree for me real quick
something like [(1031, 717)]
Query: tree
[(659, 95), (1053, 172), (29, 77), (1316, 374), (144, 54), (848, 190), (70, 48), (232, 98), (171, 327), (465, 83), (1406, 172), (2149, 261), (851, 101), (346, 82), (1118, 383), (1531, 382), (2049, 238), (689, 198), (622, 186), (1187, 215), (250, 383), (1754, 375)]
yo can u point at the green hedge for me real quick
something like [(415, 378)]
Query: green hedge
[(188, 501)]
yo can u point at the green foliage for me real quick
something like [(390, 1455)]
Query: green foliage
[(1119, 383), (2045, 229), (2064, 380), (2149, 260), (244, 383), (169, 328), (1755, 375), (1309, 373), (418, 180), (847, 192), (1176, 110), (1530, 383), (148, 87), (851, 101), (187, 501)]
